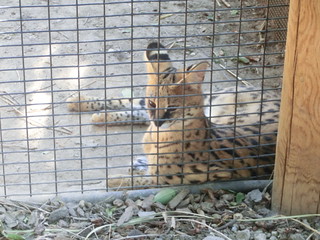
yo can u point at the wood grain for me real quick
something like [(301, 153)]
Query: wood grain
[(296, 187)]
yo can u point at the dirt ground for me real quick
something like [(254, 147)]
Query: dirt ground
[(44, 148)]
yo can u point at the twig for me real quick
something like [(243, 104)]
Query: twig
[(29, 206), (310, 236), (226, 3), (206, 225), (266, 187), (278, 218), (232, 73), (138, 236), (11, 204), (98, 229), (40, 89), (306, 226), (219, 4), (10, 100), (228, 224)]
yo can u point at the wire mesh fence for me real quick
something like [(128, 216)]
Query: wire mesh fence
[(55, 54)]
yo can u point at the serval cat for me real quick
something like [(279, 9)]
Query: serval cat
[(186, 142)]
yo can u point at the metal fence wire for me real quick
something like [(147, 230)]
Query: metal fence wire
[(58, 55)]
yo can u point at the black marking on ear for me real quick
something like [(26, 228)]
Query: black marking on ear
[(156, 51), (153, 55), (155, 45), (167, 72), (189, 68)]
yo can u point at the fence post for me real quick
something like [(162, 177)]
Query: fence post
[(296, 187)]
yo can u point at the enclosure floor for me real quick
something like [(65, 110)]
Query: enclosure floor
[(69, 157)]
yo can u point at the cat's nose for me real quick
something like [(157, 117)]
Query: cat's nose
[(158, 122)]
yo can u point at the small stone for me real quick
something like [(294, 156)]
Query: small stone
[(254, 195), (212, 238), (187, 210), (178, 198), (2, 210), (88, 205), (138, 202), (237, 216), (80, 212), (220, 204), (63, 224), (126, 216), (196, 198), (33, 218), (72, 212), (39, 229), (242, 227), (216, 217), (135, 232), (194, 206), (235, 228), (259, 236), (60, 213), (243, 235), (296, 236), (207, 207), (82, 204), (146, 214), (159, 205), (118, 203), (263, 211), (147, 202), (273, 238), (191, 198), (130, 202), (184, 203), (228, 197)]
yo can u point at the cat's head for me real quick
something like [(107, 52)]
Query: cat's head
[(172, 94)]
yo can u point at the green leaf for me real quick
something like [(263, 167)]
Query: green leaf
[(109, 211), (12, 236), (210, 18), (165, 195), (240, 197), (234, 12), (244, 60)]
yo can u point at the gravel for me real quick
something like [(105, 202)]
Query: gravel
[(210, 215)]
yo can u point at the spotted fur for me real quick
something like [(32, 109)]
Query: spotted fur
[(189, 143)]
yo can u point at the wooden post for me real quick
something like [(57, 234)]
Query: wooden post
[(296, 187)]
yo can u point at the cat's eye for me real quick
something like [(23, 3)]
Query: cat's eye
[(152, 104)]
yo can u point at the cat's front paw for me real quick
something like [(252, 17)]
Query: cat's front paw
[(75, 104), (140, 166)]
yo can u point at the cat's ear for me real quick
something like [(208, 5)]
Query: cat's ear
[(193, 74), (191, 79), (157, 59), (196, 73)]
